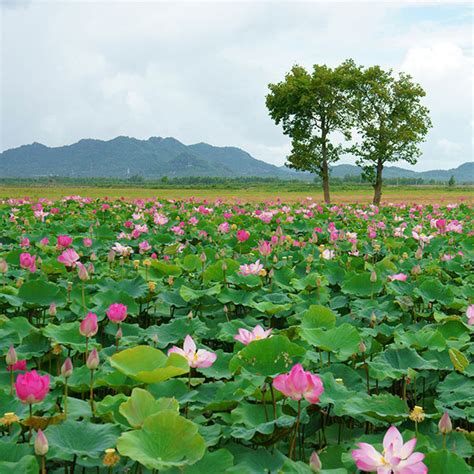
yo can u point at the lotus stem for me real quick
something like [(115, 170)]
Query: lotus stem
[(293, 440)]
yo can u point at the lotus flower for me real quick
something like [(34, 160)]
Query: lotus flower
[(398, 277), (246, 337), (196, 358), (397, 457), (63, 241), (299, 384), (31, 387), (69, 257), (117, 312), (242, 235), (41, 444), (470, 314), (28, 261), (251, 269)]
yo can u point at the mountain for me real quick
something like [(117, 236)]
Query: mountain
[(123, 157)]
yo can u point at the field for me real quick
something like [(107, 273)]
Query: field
[(171, 335), (421, 195)]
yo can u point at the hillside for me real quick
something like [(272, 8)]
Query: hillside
[(123, 157)]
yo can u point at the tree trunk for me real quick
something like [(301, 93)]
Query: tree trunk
[(325, 177), (378, 183), (325, 167)]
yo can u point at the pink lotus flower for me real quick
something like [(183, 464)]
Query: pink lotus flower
[(224, 227), (470, 314), (242, 235), (144, 246), (87, 242), (17, 366), (397, 458), (398, 277), (265, 248), (28, 261), (257, 333), (298, 384), (69, 257), (31, 387), (252, 269), (63, 241), (196, 358), (88, 326), (117, 312), (25, 242)]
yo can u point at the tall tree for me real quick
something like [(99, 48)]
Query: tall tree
[(390, 121), (311, 107)]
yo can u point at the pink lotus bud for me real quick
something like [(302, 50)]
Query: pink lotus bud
[(419, 253), (66, 368), (362, 346), (11, 357), (41, 444), (87, 242), (82, 272), (52, 309), (90, 268), (445, 426), (64, 241), (111, 256), (416, 270), (373, 277), (93, 359), (203, 257), (88, 326), (242, 235), (3, 266), (31, 387), (117, 312), (315, 462), (119, 333)]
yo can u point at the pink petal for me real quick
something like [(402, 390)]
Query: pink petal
[(407, 448), (189, 345), (392, 436)]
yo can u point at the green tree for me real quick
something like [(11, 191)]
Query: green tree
[(451, 182), (390, 121), (312, 107)]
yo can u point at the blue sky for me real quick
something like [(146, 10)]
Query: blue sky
[(199, 71)]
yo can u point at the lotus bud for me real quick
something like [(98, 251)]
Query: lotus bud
[(373, 319), (119, 333), (416, 270), (52, 311), (93, 257), (41, 444), (362, 347), (445, 426), (275, 259), (82, 272), (419, 253), (66, 368), (404, 255), (3, 266), (203, 257), (93, 359), (11, 357), (224, 266), (315, 462), (373, 277), (19, 283), (190, 315), (111, 256), (226, 309)]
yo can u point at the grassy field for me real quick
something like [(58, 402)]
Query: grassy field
[(421, 195)]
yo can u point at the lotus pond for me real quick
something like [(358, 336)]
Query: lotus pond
[(208, 337)]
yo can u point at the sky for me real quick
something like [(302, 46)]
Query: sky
[(199, 71)]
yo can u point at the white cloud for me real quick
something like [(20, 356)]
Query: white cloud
[(199, 71)]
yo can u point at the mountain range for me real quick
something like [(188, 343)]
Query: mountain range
[(123, 157)]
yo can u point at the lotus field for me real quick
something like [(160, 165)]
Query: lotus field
[(214, 337)]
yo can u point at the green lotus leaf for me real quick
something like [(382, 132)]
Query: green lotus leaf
[(166, 440), (445, 462), (142, 404), (149, 365), (268, 357), (42, 293)]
